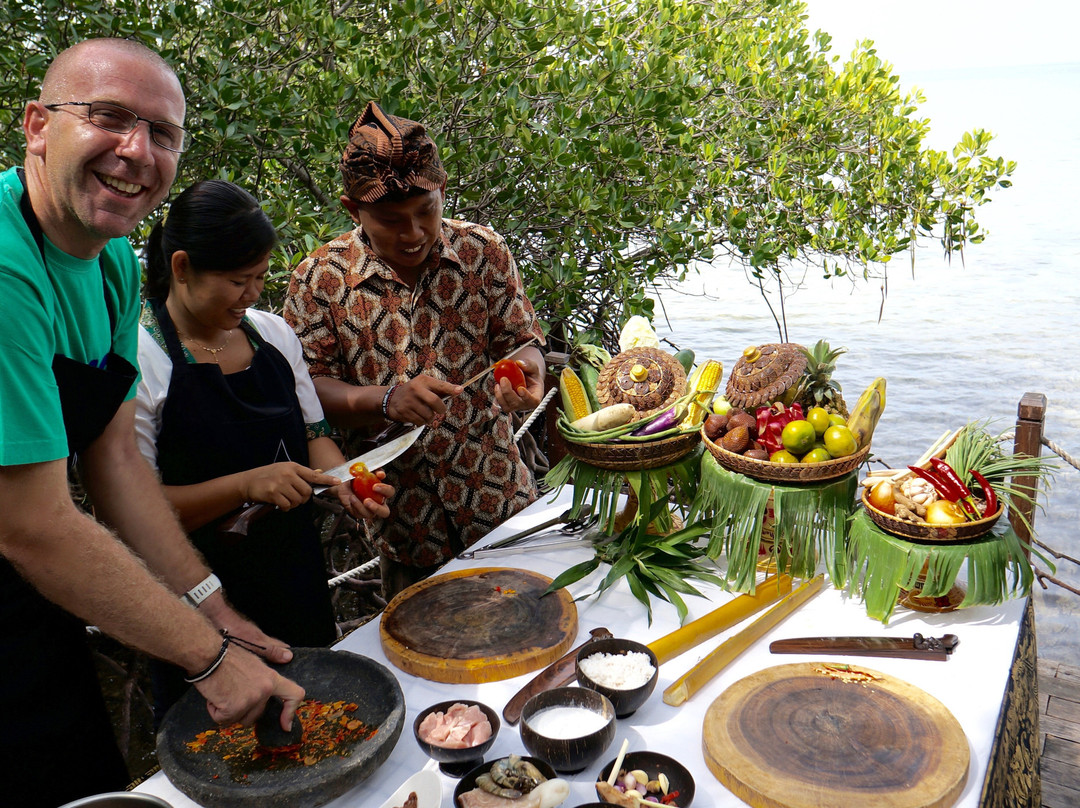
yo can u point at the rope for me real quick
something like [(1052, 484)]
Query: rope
[(1049, 444), (535, 414), (1053, 447), (355, 571)]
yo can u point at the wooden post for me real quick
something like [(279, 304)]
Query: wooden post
[(1030, 417)]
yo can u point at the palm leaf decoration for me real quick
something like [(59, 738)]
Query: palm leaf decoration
[(656, 560), (882, 565), (598, 489), (809, 523)]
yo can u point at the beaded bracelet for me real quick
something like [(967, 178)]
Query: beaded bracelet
[(386, 401), (213, 666)]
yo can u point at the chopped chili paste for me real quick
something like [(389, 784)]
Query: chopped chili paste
[(329, 729)]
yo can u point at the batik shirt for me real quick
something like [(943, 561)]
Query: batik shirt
[(360, 324)]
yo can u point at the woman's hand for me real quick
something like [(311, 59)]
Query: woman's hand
[(369, 509), (285, 485)]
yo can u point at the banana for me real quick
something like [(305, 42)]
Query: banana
[(867, 412)]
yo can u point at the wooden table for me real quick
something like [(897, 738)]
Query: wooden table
[(973, 684)]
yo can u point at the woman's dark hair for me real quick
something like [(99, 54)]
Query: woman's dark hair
[(219, 225)]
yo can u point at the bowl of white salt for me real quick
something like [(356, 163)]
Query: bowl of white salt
[(623, 670), (569, 727)]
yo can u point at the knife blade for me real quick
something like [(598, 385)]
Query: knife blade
[(397, 443), (377, 457), (560, 672), (917, 647)]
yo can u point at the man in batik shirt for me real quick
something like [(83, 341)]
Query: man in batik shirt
[(394, 317)]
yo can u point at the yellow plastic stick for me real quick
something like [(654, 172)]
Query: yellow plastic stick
[(699, 675), (720, 619)]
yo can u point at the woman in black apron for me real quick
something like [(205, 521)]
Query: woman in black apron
[(232, 424)]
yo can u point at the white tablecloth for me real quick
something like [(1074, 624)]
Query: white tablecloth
[(970, 684)]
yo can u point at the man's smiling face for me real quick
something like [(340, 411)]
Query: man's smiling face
[(99, 185)]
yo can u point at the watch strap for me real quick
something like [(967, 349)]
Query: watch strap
[(201, 591)]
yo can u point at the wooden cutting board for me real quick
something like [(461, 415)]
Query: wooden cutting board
[(817, 734), (478, 625)]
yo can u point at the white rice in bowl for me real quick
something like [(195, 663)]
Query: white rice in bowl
[(618, 671)]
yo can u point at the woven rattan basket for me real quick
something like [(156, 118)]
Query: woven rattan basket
[(785, 472), (634, 456), (920, 531)]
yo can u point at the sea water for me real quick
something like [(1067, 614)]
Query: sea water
[(958, 340)]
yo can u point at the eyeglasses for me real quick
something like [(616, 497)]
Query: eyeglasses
[(121, 120)]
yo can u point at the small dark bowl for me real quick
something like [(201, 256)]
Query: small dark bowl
[(626, 700), (455, 762), (653, 763), (569, 754), (468, 782)]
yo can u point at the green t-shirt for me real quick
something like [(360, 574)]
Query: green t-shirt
[(49, 309)]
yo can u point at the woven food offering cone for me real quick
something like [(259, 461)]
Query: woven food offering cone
[(764, 373), (647, 378)]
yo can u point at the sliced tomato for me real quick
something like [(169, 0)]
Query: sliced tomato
[(364, 482)]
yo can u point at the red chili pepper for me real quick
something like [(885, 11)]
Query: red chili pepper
[(942, 487), (669, 798), (988, 494), (964, 497), (945, 471)]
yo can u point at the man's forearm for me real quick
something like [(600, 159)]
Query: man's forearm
[(76, 563), (348, 405)]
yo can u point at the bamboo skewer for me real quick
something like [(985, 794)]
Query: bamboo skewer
[(699, 675), (720, 619)]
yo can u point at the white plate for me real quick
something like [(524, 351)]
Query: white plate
[(428, 788)]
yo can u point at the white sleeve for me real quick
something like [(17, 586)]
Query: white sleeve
[(279, 333), (155, 368)]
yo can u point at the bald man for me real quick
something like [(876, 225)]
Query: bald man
[(102, 145)]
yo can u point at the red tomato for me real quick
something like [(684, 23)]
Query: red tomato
[(364, 482), (509, 369)]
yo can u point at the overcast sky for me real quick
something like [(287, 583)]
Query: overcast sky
[(931, 34)]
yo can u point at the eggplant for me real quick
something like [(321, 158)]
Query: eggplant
[(668, 419)]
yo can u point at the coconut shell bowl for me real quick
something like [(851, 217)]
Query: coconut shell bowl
[(456, 760), (623, 688)]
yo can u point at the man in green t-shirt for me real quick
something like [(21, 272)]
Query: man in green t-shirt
[(102, 144)]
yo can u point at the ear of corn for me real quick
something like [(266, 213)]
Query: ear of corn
[(575, 400), (704, 383)]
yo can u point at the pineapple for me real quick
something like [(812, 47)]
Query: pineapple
[(816, 388)]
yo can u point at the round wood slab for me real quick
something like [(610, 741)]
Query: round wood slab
[(817, 734), (478, 625)]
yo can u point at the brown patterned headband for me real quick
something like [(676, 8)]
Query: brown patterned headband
[(387, 154)]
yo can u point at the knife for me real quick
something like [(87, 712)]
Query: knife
[(560, 672), (917, 647), (377, 457), (398, 442)]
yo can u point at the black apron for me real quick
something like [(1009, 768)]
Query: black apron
[(213, 425), (57, 743)]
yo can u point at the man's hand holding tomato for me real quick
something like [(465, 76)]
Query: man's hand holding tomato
[(510, 393), (365, 494)]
